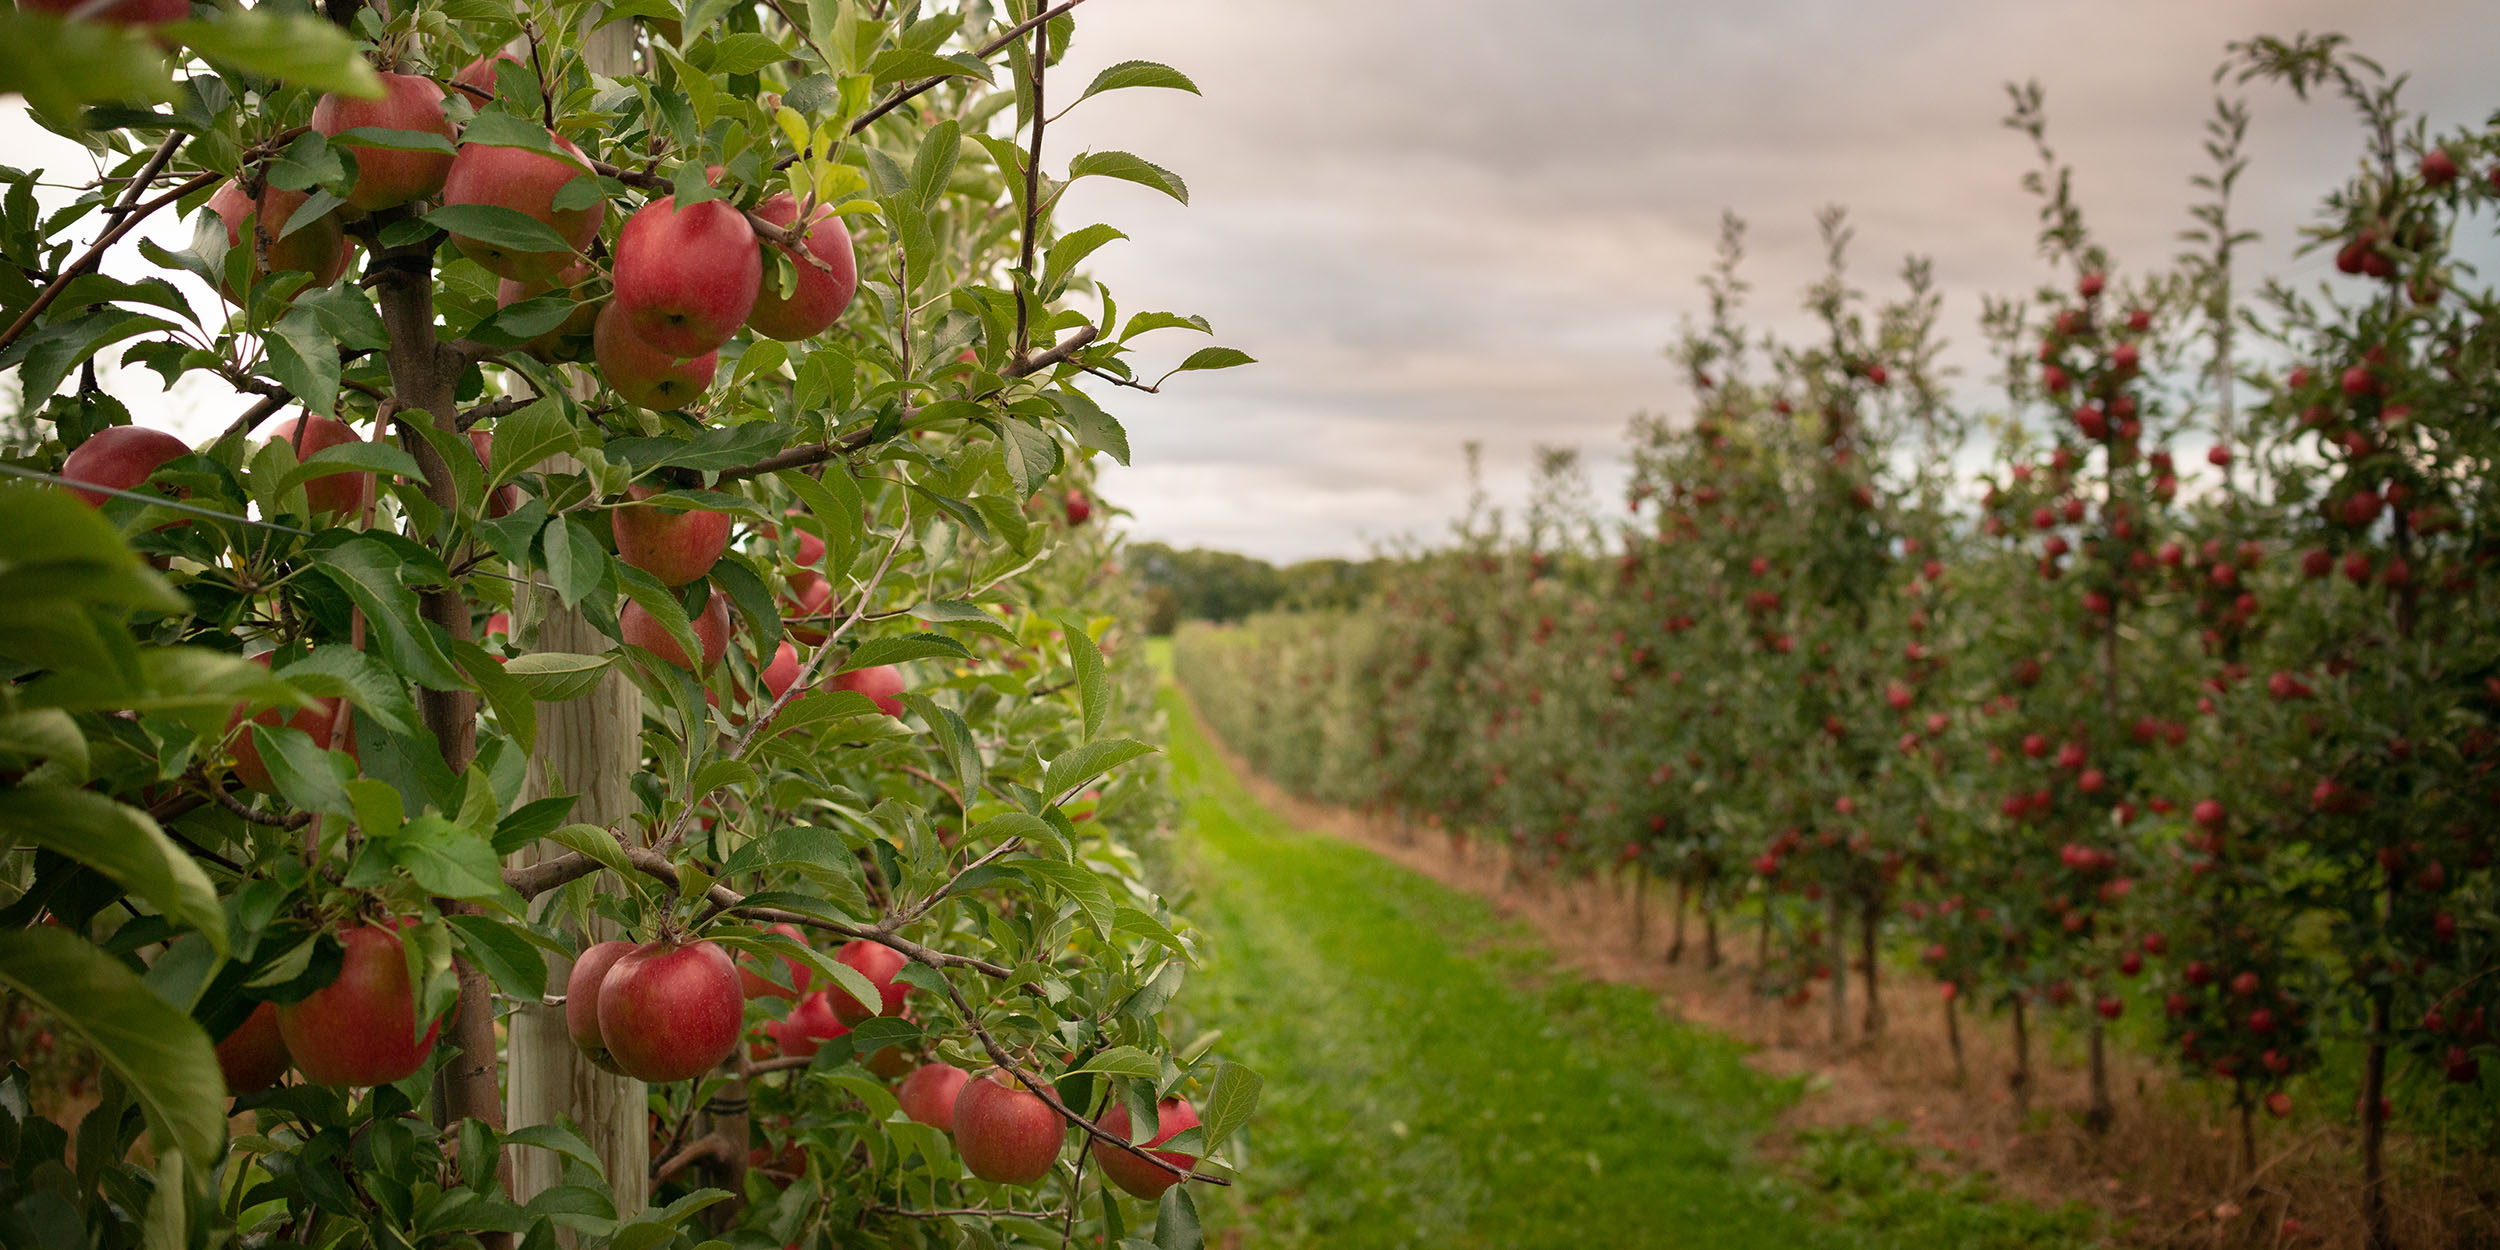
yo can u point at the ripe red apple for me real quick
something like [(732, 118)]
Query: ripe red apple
[(810, 600), (1005, 1132), (117, 12), (646, 376), (881, 683), (757, 985), (2438, 168), (581, 999), (385, 177), (878, 962), (478, 76), (1079, 508), (671, 1011), (121, 457), (711, 632), (675, 547), (1140, 1178), (810, 1024), (2278, 1104), (317, 723), (505, 498), (686, 280), (339, 494), (360, 1029), (784, 670), (254, 1056), (319, 249), (928, 1094), (526, 182), (817, 299)]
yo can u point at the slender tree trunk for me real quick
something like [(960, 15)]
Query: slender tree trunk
[(2019, 1082), (2241, 1103), (1762, 946), (1953, 1039), (2374, 1213), (1836, 919), (1868, 917), (1640, 908), (726, 1116), (1683, 904), (2098, 1115)]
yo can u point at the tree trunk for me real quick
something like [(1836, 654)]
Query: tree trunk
[(2241, 1102), (1868, 917), (2374, 1214), (1683, 904), (1953, 1039), (1836, 916), (2101, 1111), (1709, 936), (1640, 908), (2019, 1082)]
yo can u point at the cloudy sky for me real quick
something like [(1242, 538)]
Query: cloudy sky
[(1436, 221), (1441, 220)]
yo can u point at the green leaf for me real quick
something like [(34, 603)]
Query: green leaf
[(1129, 168), (899, 64), (557, 676), (935, 163), (964, 615), (503, 955), (1139, 74), (1092, 426), (1082, 764), (744, 53), (450, 861), (1232, 1101), (955, 738), (878, 651), (361, 456), (524, 438), (122, 843), (1032, 454), (1093, 686), (597, 843), (1176, 1221), (298, 48), (1214, 358), (370, 574), (576, 563), (59, 65), (160, 1053), (1079, 883), (1125, 1061), (497, 226)]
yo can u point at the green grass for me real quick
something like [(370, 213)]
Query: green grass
[(1434, 1080)]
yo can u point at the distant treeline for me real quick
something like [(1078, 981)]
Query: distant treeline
[(1203, 585)]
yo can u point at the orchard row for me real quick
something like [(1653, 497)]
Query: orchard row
[(2181, 704)]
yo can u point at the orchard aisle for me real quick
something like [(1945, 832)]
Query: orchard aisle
[(1432, 1080)]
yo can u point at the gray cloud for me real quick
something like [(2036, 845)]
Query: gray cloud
[(1436, 222)]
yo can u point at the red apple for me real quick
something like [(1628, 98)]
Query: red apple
[(757, 985), (646, 376), (581, 999), (711, 632), (1078, 507), (505, 498), (675, 547), (878, 962), (928, 1094), (686, 280), (817, 299), (360, 1029), (810, 1024), (339, 494), (784, 670), (315, 722), (1004, 1132), (386, 178), (253, 1057), (810, 600), (881, 683), (526, 182), (671, 1011), (319, 249), (571, 337), (478, 76), (121, 457), (1140, 1178)]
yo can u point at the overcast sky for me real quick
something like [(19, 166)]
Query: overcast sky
[(1441, 220), (1477, 219)]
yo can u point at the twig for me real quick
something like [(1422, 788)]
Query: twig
[(494, 408), (258, 817), (937, 896), (147, 174), (706, 1149), (266, 408), (892, 102), (112, 234), (1025, 287), (1116, 380), (947, 1212)]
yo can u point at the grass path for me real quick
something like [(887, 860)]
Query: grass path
[(1433, 1080)]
